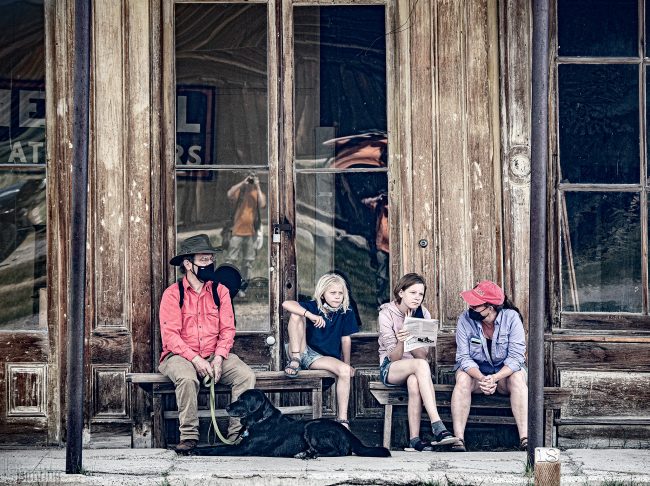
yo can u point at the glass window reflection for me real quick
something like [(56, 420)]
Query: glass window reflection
[(599, 123), (23, 210), (342, 226), (230, 207), (221, 91), (598, 27), (601, 269), (340, 78)]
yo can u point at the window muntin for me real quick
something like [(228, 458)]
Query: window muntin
[(23, 210)]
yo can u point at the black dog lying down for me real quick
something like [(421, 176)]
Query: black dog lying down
[(271, 434)]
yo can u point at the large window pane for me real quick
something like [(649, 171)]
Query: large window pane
[(597, 27), (599, 123), (213, 202), (221, 76), (22, 155), (221, 119), (342, 226), (601, 252), (340, 79)]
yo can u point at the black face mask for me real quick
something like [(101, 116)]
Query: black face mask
[(475, 315), (205, 273)]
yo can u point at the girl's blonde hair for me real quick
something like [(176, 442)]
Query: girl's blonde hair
[(323, 284)]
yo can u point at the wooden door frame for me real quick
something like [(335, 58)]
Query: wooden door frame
[(164, 209)]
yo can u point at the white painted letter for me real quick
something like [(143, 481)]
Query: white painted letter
[(27, 108), (17, 152), (194, 157), (35, 146), (181, 118)]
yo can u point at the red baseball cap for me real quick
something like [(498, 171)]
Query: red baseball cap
[(486, 292)]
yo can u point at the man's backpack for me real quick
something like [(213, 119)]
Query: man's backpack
[(227, 275)]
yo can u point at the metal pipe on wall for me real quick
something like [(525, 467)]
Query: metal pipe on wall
[(77, 289), (538, 217)]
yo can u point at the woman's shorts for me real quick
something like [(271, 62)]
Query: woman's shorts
[(383, 372), (306, 358)]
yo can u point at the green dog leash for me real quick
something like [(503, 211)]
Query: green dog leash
[(209, 382)]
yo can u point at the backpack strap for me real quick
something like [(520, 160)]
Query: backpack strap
[(215, 294)]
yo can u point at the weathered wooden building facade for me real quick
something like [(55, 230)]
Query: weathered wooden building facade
[(342, 109)]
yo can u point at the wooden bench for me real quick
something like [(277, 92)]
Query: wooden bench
[(160, 387), (389, 397)]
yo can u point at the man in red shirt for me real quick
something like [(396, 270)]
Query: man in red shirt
[(197, 338)]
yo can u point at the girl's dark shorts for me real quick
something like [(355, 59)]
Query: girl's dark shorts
[(383, 372)]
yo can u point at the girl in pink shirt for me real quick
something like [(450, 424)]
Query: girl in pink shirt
[(411, 369)]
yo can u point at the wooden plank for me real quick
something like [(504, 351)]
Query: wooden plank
[(59, 210), (596, 337), (221, 413), (601, 356), (107, 191), (138, 165), (262, 376), (484, 181), (514, 40), (401, 239), (111, 345), (615, 394), (604, 322), (424, 187), (455, 224), (388, 425), (57, 178)]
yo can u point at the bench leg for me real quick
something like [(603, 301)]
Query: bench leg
[(548, 427), (158, 421), (388, 425), (317, 402), (142, 428)]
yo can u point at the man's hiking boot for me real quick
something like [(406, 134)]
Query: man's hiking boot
[(186, 445)]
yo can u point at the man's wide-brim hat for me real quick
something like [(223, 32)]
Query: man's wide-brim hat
[(192, 246)]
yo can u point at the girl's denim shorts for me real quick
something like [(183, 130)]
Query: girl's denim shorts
[(383, 372)]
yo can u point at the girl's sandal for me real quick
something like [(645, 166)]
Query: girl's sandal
[(523, 443), (344, 422), (293, 366), (459, 446)]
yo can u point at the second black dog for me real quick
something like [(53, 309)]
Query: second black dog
[(271, 434)]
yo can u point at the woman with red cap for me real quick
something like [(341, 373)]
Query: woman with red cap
[(490, 349)]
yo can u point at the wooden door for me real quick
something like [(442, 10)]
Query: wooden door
[(224, 159)]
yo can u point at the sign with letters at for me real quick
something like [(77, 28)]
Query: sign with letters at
[(194, 125), (22, 122)]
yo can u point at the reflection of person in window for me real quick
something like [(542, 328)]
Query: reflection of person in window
[(249, 199), (379, 204)]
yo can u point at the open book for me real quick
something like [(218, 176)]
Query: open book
[(424, 333)]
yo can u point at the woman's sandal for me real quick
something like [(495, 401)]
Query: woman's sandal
[(459, 446), (293, 366), (523, 443), (344, 422)]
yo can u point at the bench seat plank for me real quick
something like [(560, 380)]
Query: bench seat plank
[(554, 399), (160, 386)]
